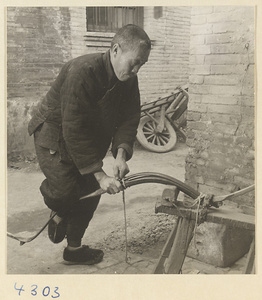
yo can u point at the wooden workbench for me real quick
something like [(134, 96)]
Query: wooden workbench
[(175, 250)]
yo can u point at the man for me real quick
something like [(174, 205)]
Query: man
[(93, 102)]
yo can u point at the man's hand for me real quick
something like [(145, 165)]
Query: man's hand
[(107, 183), (120, 165)]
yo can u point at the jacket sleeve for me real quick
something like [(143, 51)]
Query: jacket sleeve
[(128, 121), (79, 123)]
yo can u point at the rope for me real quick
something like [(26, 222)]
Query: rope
[(202, 202), (127, 259), (196, 201), (199, 198)]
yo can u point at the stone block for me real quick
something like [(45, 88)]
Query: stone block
[(243, 181), (190, 142), (223, 17), (200, 69), (197, 60), (195, 107), (229, 129), (228, 69), (225, 59), (195, 98), (219, 38), (202, 10), (193, 116), (223, 8), (232, 79), (196, 79), (200, 89), (246, 101), (200, 49), (197, 40), (217, 99), (230, 90), (197, 125), (219, 245), (224, 27), (201, 29), (228, 48), (198, 20)]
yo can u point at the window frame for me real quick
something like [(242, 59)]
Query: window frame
[(114, 17)]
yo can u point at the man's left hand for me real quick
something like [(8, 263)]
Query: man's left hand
[(120, 166)]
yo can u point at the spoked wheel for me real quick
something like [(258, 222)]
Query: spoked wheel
[(149, 137)]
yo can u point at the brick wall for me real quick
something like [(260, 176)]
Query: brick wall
[(168, 63), (221, 107), (41, 39)]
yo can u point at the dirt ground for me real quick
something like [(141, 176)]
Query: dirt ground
[(146, 231)]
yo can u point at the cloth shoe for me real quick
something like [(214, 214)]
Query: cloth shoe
[(83, 255), (56, 231)]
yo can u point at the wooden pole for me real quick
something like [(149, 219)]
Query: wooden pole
[(181, 243), (250, 263), (159, 268)]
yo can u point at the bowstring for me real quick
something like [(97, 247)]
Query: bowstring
[(127, 259)]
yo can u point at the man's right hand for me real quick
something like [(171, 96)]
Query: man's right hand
[(107, 183)]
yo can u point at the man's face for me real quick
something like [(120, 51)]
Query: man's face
[(126, 64)]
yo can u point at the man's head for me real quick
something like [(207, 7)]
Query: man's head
[(130, 49)]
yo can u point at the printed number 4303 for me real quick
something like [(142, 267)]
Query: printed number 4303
[(35, 290)]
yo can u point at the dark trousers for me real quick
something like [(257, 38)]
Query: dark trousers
[(62, 188)]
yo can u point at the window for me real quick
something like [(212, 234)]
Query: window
[(110, 19)]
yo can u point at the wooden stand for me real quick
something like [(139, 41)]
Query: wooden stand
[(250, 263), (174, 252)]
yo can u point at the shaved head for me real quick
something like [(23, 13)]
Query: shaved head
[(131, 37)]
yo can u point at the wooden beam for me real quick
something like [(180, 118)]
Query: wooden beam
[(175, 260), (250, 263), (170, 194), (159, 268), (223, 215)]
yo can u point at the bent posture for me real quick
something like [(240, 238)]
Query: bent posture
[(93, 103)]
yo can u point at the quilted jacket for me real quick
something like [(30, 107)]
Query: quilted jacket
[(86, 109)]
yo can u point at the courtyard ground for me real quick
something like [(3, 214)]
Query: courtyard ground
[(146, 231)]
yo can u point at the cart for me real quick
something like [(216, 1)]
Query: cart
[(162, 120)]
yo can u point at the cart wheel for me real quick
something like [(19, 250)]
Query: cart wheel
[(152, 140)]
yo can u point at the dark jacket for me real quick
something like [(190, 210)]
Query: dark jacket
[(85, 110)]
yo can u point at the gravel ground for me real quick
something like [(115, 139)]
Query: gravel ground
[(146, 231)]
